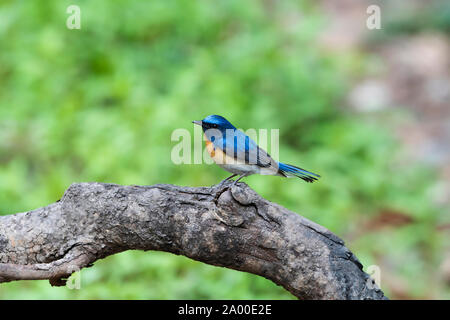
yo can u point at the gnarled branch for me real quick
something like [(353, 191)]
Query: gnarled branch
[(224, 225)]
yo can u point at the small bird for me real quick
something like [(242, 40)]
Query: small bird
[(237, 153)]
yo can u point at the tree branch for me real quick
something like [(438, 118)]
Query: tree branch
[(226, 226)]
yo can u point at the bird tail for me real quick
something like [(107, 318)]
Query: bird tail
[(288, 170)]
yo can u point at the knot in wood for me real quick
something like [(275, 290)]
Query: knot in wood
[(228, 210)]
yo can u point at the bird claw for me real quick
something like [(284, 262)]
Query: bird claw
[(222, 182)]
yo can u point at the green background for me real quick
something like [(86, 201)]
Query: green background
[(100, 104)]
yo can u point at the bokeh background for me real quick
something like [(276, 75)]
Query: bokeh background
[(367, 109)]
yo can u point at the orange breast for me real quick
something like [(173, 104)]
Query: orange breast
[(210, 148), (217, 154)]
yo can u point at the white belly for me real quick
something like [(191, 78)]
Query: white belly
[(246, 169), (234, 166)]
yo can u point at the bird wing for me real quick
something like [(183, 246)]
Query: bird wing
[(239, 146)]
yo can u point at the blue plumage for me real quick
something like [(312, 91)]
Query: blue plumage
[(290, 170), (236, 152)]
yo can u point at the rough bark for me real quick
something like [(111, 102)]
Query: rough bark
[(224, 225)]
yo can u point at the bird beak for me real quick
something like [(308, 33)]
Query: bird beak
[(199, 122)]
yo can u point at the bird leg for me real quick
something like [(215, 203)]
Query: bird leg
[(232, 176), (220, 184), (242, 176)]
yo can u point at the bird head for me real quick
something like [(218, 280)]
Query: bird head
[(214, 122)]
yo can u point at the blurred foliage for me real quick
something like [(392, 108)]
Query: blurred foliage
[(433, 15), (404, 18), (100, 104)]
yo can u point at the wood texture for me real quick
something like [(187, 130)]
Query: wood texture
[(225, 226)]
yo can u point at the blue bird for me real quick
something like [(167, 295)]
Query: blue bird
[(235, 152)]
